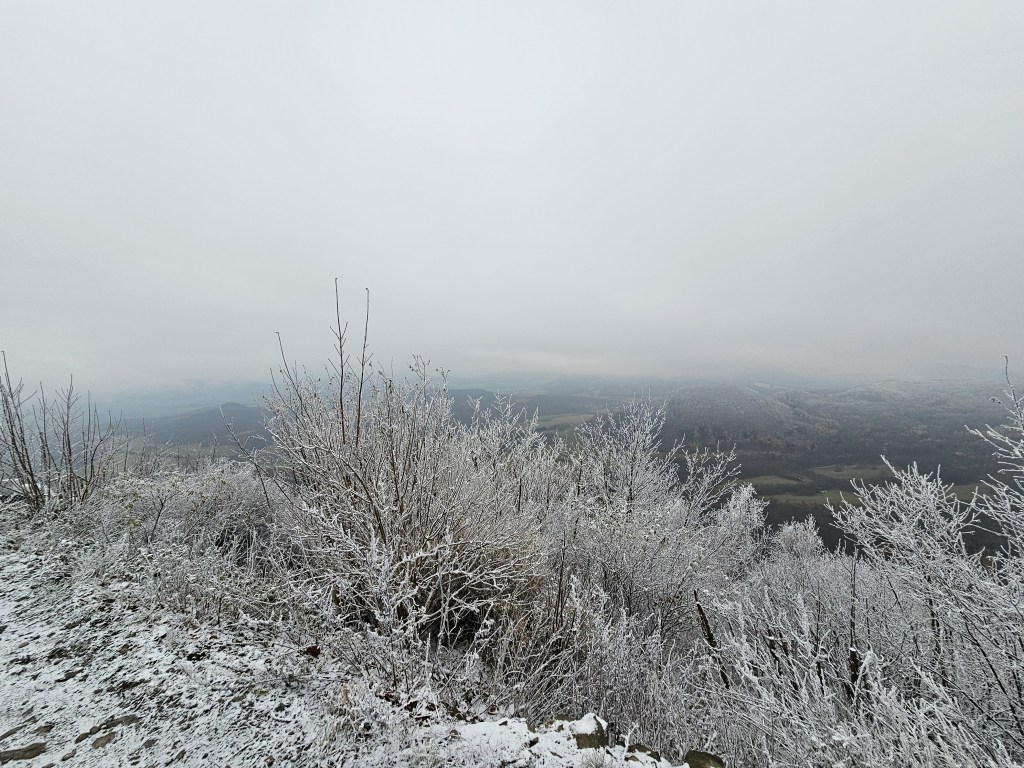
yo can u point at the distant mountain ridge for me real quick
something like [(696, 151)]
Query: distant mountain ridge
[(209, 426), (772, 427)]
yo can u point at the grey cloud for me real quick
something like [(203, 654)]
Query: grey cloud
[(657, 188)]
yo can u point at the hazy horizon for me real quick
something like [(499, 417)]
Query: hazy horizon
[(196, 394), (662, 190)]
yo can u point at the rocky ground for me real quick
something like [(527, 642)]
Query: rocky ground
[(91, 677), (91, 674)]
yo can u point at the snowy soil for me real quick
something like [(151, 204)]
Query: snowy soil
[(90, 675), (99, 681)]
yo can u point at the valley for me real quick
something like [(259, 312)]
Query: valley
[(800, 447)]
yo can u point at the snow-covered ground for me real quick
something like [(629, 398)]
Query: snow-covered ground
[(91, 674)]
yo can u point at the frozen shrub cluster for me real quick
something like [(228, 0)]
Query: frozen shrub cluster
[(199, 537), (464, 569), (55, 450), (906, 651), (398, 522)]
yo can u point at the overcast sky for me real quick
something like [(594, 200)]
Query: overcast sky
[(648, 188)]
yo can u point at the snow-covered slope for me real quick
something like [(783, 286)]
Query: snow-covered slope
[(90, 675)]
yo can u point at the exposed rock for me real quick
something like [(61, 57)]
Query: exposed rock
[(116, 721), (22, 753), (697, 759), (11, 732), (591, 732), (642, 749), (102, 741), (106, 725)]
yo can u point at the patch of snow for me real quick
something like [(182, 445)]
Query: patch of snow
[(588, 724)]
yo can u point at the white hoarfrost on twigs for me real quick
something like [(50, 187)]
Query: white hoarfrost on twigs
[(387, 584), (91, 676)]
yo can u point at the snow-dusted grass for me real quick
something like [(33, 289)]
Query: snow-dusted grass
[(95, 671), (98, 676)]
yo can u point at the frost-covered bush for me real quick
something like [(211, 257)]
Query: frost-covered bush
[(56, 451), (905, 651), (199, 539), (364, 721), (491, 566), (954, 623), (645, 538), (396, 519), (466, 569)]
